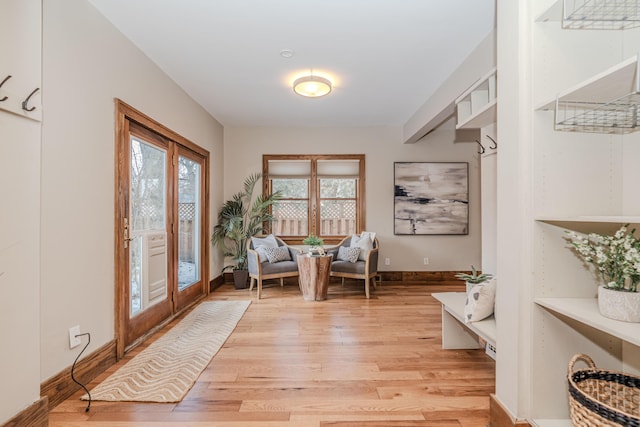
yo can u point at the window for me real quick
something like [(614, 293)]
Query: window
[(321, 195)]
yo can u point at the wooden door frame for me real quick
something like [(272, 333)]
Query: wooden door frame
[(123, 114)]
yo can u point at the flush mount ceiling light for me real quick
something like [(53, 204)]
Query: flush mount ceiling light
[(312, 86)]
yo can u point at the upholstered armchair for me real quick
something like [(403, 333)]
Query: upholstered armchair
[(354, 264), (270, 258)]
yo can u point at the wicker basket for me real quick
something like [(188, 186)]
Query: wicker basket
[(600, 398)]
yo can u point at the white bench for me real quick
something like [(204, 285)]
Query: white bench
[(456, 334)]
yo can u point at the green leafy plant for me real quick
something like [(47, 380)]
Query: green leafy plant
[(616, 258), (474, 277), (240, 218), (313, 240)]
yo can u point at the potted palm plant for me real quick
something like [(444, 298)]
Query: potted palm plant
[(240, 218), (617, 261), (474, 278)]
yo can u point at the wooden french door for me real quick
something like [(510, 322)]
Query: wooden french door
[(161, 225)]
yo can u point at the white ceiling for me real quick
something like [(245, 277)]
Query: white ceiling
[(386, 57)]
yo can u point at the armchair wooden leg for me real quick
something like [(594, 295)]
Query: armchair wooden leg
[(373, 280), (366, 287), (343, 282), (251, 283), (259, 287), (282, 282)]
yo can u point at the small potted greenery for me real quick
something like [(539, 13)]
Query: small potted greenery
[(315, 244), (313, 241), (240, 218), (474, 278), (616, 259)]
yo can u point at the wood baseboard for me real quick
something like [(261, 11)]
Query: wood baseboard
[(216, 282), (60, 387), (36, 415), (419, 276), (398, 276), (500, 417)]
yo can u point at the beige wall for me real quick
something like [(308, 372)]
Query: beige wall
[(86, 63), (243, 152), (20, 36)]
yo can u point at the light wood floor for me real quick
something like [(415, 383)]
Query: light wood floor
[(343, 362)]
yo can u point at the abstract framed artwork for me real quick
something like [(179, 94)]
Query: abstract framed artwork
[(431, 198)]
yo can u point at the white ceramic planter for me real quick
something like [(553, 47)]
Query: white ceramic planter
[(624, 306), (470, 286)]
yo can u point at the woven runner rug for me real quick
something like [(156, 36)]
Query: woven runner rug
[(167, 369)]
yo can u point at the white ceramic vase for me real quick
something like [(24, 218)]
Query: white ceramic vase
[(618, 305), (470, 286)]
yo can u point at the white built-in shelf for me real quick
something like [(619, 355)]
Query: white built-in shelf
[(585, 310), (551, 423), (615, 82), (592, 224), (476, 107), (454, 302), (594, 14), (603, 219), (605, 103)]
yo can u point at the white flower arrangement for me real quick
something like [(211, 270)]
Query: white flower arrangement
[(616, 258)]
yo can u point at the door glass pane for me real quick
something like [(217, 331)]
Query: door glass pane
[(147, 229), (188, 222)]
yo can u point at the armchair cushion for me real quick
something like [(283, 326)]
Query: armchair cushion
[(348, 267), (348, 254), (277, 254), (281, 267), (363, 242), (261, 243)]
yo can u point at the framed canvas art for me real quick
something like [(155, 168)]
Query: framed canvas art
[(431, 198)]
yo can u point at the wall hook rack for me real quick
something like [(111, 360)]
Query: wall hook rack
[(482, 150), (495, 144), (3, 82), (25, 103)]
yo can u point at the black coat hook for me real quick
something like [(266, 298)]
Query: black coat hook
[(481, 147), (25, 103), (3, 82), (495, 144)]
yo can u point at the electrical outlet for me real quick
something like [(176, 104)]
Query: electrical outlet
[(491, 351), (387, 261), (425, 260), (74, 340)]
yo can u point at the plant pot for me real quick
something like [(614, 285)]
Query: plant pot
[(240, 278), (471, 285), (619, 305)]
